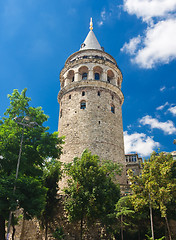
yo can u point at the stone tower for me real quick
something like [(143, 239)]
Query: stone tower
[(90, 104)]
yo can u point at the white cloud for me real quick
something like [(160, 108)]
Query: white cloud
[(140, 143), (162, 88), (159, 45), (113, 11), (148, 9), (158, 41), (103, 14), (131, 46), (172, 110), (162, 106), (167, 127), (129, 126), (100, 23)]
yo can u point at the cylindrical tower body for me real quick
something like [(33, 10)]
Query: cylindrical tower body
[(90, 105)]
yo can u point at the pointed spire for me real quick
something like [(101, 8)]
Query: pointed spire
[(91, 41), (91, 24)]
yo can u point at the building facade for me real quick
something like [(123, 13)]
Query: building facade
[(133, 162), (90, 101)]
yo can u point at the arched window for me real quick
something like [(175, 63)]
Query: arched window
[(84, 76), (70, 76), (83, 72), (98, 93), (83, 93), (112, 109), (110, 76), (83, 105), (73, 79), (97, 76), (97, 70)]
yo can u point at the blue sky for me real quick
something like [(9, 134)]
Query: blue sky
[(36, 38)]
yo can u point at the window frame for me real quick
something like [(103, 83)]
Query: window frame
[(95, 76), (83, 105), (113, 109), (108, 79), (84, 76)]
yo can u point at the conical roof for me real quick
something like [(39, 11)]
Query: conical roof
[(91, 42)]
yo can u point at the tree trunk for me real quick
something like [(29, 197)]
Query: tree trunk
[(13, 233), (121, 220), (151, 218), (46, 231), (81, 233), (168, 228), (23, 229), (2, 228)]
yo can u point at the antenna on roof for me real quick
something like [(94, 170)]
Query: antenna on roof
[(91, 25)]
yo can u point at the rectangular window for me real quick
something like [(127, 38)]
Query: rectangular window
[(83, 105), (84, 76), (97, 76), (112, 109)]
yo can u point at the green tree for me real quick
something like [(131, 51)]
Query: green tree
[(123, 210), (91, 193), (38, 145), (156, 187), (52, 175), (131, 224)]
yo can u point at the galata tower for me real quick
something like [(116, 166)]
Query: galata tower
[(90, 104)]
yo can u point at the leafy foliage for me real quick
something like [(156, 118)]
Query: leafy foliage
[(157, 180), (149, 238), (38, 145), (52, 175), (91, 193), (58, 234), (123, 207), (156, 186)]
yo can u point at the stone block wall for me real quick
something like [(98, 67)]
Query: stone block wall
[(96, 127)]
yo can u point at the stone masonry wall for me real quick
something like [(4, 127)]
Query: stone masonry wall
[(95, 128)]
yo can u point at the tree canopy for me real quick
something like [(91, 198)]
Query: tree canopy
[(156, 186), (38, 145), (91, 193), (51, 176)]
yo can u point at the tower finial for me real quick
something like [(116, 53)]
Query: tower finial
[(91, 24)]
